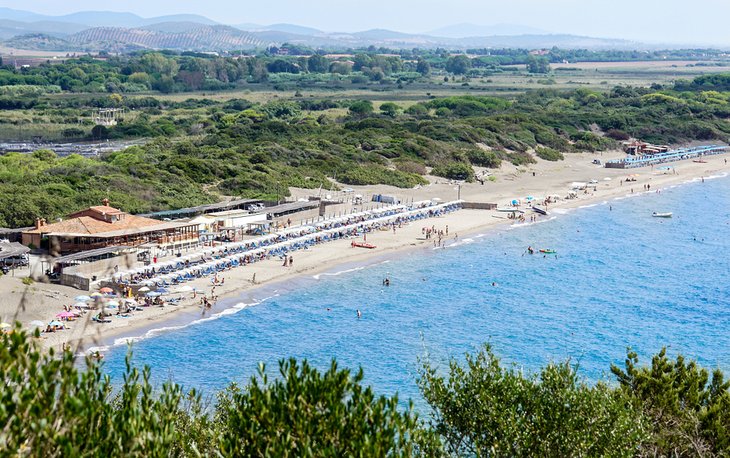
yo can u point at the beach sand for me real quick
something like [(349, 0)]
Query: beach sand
[(43, 301)]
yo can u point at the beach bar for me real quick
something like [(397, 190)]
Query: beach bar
[(104, 226), (668, 156)]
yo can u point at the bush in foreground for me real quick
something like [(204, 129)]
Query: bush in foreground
[(484, 409), (51, 407)]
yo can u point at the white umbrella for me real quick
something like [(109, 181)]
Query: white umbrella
[(185, 289), (112, 303), (143, 289)]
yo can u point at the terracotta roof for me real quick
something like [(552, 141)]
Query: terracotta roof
[(101, 209), (86, 225), (105, 209)]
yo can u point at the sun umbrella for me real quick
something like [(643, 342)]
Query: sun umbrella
[(153, 294), (96, 294), (106, 290), (112, 303), (162, 290), (515, 202), (529, 198), (36, 324), (143, 289), (82, 299), (55, 323), (5, 325)]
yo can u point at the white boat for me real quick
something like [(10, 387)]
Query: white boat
[(509, 210), (662, 215)]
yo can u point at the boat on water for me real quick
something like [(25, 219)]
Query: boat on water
[(662, 215), (369, 246), (539, 210), (548, 251)]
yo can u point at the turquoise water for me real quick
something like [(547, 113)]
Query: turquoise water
[(621, 278)]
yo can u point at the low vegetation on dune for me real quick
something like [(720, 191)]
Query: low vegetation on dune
[(52, 406), (200, 149)]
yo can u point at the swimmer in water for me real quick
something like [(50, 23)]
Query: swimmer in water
[(359, 315)]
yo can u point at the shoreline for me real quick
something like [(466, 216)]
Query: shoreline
[(545, 178), (252, 295)]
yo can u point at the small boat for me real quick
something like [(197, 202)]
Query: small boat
[(700, 161), (548, 251), (509, 210), (539, 210), (662, 215), (369, 246)]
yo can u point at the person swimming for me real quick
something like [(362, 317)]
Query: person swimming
[(359, 314)]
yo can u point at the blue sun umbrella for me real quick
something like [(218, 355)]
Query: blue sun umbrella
[(82, 298), (153, 294), (515, 202)]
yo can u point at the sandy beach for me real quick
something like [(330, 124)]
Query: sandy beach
[(39, 301)]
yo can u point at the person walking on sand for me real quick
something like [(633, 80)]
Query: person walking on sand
[(291, 261), (286, 261)]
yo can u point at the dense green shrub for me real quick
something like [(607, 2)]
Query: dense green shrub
[(484, 409), (454, 171), (549, 154)]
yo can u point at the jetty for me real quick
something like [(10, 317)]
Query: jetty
[(667, 156)]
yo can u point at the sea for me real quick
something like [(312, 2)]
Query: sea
[(620, 278)]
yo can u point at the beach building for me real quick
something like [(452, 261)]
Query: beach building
[(104, 226), (229, 223)]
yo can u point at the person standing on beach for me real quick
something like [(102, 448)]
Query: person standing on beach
[(286, 261), (291, 261)]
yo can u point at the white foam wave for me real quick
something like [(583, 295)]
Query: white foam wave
[(466, 241), (165, 329), (561, 211), (335, 274)]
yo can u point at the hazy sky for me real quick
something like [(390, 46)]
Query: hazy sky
[(668, 21)]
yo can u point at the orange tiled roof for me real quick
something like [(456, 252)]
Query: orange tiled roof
[(105, 209), (92, 226)]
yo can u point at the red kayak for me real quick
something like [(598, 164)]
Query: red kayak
[(362, 245)]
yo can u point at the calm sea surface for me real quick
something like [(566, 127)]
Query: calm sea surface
[(621, 278)]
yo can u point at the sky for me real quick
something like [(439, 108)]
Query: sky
[(651, 21)]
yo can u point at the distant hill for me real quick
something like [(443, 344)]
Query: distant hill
[(201, 38), (293, 28), (122, 32), (10, 28), (472, 30), (102, 18), (40, 42)]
